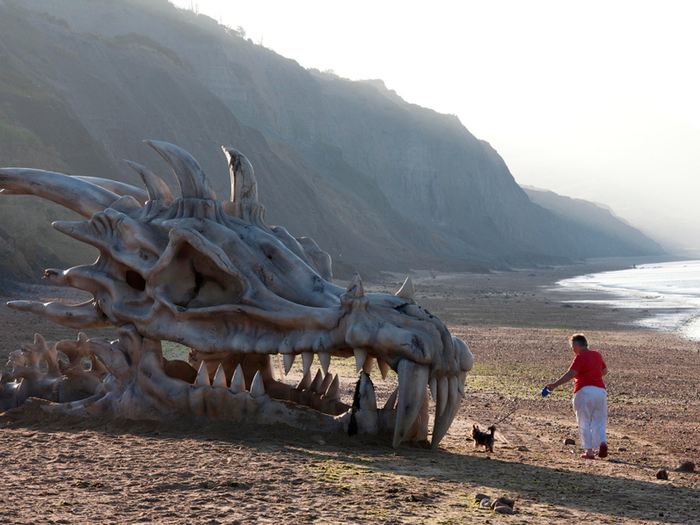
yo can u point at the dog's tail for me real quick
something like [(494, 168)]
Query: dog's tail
[(492, 429)]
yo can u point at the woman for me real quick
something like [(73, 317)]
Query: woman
[(590, 396)]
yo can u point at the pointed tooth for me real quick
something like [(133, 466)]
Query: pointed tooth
[(288, 362), (316, 383), (391, 402), (325, 359), (257, 389), (202, 376), (305, 382), (413, 379), (419, 430), (219, 378), (433, 387), (442, 395), (383, 367), (360, 358), (325, 384), (334, 389), (307, 359), (442, 423), (238, 381), (368, 400), (461, 378), (369, 363)]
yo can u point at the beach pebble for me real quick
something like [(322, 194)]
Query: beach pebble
[(485, 503), (569, 441), (480, 496), (503, 509), (687, 466), (662, 474), (614, 460), (622, 449)]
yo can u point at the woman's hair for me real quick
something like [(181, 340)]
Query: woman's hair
[(580, 339)]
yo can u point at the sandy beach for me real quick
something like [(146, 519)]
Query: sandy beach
[(58, 469)]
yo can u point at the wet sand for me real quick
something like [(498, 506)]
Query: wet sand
[(58, 469)]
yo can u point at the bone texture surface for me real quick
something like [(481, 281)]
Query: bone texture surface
[(213, 276)]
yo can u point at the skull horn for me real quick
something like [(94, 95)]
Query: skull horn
[(120, 188), (82, 197), (193, 182), (244, 186), (156, 188)]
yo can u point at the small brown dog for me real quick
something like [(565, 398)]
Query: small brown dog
[(484, 439)]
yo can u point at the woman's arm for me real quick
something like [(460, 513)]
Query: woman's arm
[(563, 379)]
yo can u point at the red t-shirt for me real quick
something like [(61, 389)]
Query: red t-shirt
[(590, 366)]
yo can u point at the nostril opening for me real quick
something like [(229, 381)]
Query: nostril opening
[(135, 280)]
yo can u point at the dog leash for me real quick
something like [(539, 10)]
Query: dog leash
[(507, 415)]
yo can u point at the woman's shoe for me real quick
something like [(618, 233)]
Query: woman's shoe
[(603, 452), (587, 456)]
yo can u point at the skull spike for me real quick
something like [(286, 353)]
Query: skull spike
[(355, 289), (82, 197), (156, 188), (120, 188), (193, 182), (244, 185), (407, 291)]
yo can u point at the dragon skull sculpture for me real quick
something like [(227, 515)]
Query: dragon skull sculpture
[(215, 277)]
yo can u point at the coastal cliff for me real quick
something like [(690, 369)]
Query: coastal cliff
[(379, 183)]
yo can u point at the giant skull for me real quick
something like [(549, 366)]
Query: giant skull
[(215, 277)]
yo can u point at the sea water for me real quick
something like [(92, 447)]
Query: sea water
[(670, 291)]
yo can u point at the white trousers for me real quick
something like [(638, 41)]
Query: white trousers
[(591, 408)]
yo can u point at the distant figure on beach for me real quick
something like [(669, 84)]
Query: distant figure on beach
[(590, 396)]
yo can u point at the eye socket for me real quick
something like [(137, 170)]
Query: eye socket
[(135, 280)]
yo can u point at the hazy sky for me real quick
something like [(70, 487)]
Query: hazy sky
[(597, 100)]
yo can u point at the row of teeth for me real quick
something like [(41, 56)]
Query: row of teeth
[(363, 361), (328, 386), (408, 399)]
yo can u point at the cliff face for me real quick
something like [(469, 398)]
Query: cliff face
[(379, 183)]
